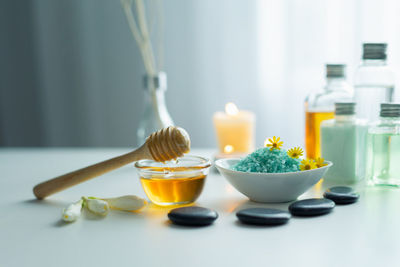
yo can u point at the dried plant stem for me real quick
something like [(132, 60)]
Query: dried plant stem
[(145, 35), (141, 34)]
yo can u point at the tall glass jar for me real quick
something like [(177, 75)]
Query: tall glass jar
[(374, 81), (155, 115), (320, 106), (384, 147)]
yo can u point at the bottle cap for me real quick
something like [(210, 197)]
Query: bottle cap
[(345, 108), (374, 51), (335, 70), (390, 110), (158, 81)]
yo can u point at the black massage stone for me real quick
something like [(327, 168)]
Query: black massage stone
[(342, 195), (311, 207), (192, 216), (263, 216)]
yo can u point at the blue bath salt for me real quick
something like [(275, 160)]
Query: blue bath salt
[(268, 161)]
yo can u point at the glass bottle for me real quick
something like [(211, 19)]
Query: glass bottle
[(374, 81), (155, 115), (320, 106), (384, 147), (343, 141)]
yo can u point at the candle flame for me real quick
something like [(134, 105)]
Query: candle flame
[(228, 149), (231, 109)]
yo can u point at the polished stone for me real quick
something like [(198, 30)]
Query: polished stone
[(342, 195), (192, 216), (311, 207), (263, 216)]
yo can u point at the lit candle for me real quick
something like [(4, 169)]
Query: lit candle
[(235, 130)]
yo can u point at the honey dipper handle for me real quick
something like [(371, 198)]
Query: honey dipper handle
[(65, 181)]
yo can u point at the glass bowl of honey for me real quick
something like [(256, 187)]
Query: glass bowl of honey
[(176, 182)]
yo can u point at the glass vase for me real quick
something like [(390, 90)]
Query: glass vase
[(155, 115)]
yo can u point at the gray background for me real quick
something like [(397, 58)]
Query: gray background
[(71, 70)]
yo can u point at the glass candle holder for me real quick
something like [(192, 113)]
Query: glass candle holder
[(176, 182)]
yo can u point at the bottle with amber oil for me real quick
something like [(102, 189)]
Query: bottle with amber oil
[(320, 106), (384, 147)]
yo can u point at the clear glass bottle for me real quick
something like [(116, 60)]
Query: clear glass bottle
[(343, 141), (155, 115), (374, 81), (384, 147), (320, 106)]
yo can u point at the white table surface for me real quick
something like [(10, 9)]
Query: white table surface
[(31, 233)]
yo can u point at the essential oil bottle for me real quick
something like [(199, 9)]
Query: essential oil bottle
[(384, 147), (374, 81), (320, 106), (343, 141)]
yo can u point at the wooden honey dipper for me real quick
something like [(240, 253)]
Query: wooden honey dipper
[(165, 144)]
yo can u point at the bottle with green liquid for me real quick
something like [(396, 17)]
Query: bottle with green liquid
[(384, 147), (343, 142)]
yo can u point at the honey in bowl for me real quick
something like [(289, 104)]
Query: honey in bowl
[(175, 182)]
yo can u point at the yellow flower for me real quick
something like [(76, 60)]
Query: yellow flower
[(320, 162), (307, 164), (295, 152), (274, 143)]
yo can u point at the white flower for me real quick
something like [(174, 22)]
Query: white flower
[(72, 212), (102, 206), (126, 203), (96, 205)]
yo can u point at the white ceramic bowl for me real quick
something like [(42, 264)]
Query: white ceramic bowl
[(270, 187)]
